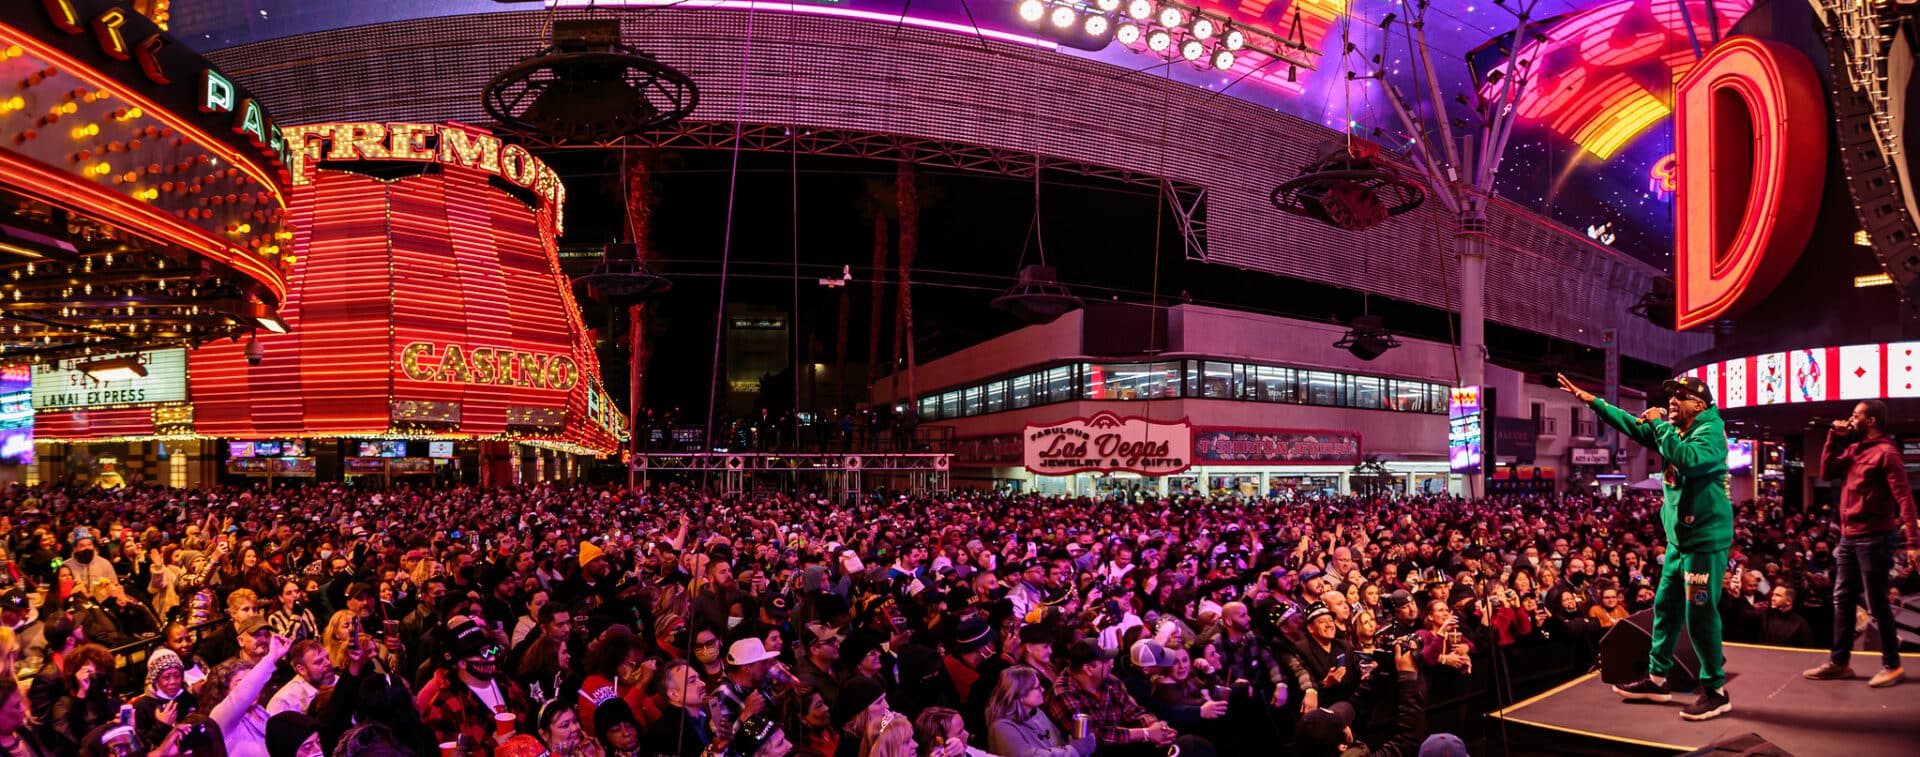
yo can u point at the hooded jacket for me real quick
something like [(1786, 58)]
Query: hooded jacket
[(1696, 512)]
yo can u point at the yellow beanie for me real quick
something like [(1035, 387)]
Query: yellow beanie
[(589, 553)]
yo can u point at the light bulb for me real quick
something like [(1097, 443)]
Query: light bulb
[(1170, 17), (1127, 34), (1223, 60), (1192, 49), (1159, 40), (1063, 17), (1140, 9), (1033, 10), (1202, 28), (1236, 39), (1097, 26)]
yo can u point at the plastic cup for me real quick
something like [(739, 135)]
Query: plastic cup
[(449, 749), (504, 722)]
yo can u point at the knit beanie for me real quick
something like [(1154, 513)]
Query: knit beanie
[(287, 731), (160, 662)]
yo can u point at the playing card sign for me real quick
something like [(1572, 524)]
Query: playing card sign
[(1862, 367), (1903, 378), (1770, 378), (1808, 381)]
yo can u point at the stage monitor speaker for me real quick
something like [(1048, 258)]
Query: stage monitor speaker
[(1623, 654), (1744, 745)]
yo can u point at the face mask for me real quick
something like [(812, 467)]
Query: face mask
[(705, 656), (85, 555), (1577, 577), (734, 621)]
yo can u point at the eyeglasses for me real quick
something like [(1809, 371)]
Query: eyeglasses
[(714, 644)]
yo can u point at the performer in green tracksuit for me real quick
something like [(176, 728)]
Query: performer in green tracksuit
[(1698, 518)]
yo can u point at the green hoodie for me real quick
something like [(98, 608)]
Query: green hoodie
[(1698, 513)]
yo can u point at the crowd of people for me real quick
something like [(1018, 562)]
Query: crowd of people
[(596, 621)]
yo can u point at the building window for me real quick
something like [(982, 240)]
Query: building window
[(1020, 391), (1130, 381), (1549, 425), (996, 396), (1368, 393), (1059, 384), (930, 408), (177, 469), (973, 400), (1323, 388), (1216, 381), (1275, 384), (950, 405)]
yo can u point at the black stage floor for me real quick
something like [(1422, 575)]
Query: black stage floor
[(1805, 718)]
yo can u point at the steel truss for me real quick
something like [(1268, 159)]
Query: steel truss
[(1187, 200)]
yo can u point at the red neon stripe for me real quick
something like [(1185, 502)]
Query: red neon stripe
[(60, 188), (98, 80)]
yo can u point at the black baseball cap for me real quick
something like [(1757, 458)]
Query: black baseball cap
[(1688, 385)]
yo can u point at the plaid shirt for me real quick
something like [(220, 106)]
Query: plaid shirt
[(1110, 711), (452, 710)]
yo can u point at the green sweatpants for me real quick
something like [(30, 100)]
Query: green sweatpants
[(1688, 595)]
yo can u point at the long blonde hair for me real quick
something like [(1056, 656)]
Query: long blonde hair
[(341, 624), (890, 736), (1009, 696)]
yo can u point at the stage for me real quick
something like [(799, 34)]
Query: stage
[(1802, 717)]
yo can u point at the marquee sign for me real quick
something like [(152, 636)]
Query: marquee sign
[(446, 144), (1232, 446), (63, 386), (1751, 145), (1107, 443)]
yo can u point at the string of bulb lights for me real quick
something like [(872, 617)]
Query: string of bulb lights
[(1173, 30)]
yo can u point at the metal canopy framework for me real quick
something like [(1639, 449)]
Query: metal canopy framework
[(1188, 200)]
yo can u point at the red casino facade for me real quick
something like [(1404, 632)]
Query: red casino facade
[(429, 329)]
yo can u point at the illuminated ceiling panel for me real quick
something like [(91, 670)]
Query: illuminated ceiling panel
[(1607, 71)]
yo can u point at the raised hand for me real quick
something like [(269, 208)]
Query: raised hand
[(1573, 389)]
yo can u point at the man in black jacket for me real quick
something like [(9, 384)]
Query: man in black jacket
[(1324, 666), (1325, 732)]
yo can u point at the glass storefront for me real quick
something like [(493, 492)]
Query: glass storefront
[(1172, 379)]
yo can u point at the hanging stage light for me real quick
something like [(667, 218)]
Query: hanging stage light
[(1140, 10), (1063, 17), (1159, 40), (1033, 10), (1097, 26), (1223, 60), (1202, 28), (1127, 34), (1235, 39), (1108, 6), (1170, 17), (1192, 49)]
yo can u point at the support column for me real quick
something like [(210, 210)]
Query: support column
[(1471, 244)]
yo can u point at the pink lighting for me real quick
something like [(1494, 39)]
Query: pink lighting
[(811, 10)]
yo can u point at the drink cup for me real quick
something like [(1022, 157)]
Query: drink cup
[(449, 749), (1081, 727), (504, 722)]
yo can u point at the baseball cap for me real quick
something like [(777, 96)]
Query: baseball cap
[(1443, 745), (747, 652), (1398, 599), (252, 625), (752, 733), (1688, 385), (1316, 610), (1084, 652), (14, 599), (1322, 731), (1148, 653)]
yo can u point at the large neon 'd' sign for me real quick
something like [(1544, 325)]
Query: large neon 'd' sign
[(1751, 139)]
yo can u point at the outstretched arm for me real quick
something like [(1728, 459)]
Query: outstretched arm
[(1626, 423)]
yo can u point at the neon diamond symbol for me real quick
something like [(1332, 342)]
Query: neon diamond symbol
[(1858, 372)]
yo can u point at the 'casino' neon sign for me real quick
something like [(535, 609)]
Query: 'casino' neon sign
[(447, 144), (484, 365)]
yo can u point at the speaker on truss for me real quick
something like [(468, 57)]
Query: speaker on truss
[(736, 462), (853, 462), (1879, 195), (941, 462)]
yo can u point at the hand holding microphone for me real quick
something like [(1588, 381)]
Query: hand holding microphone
[(1653, 414)]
